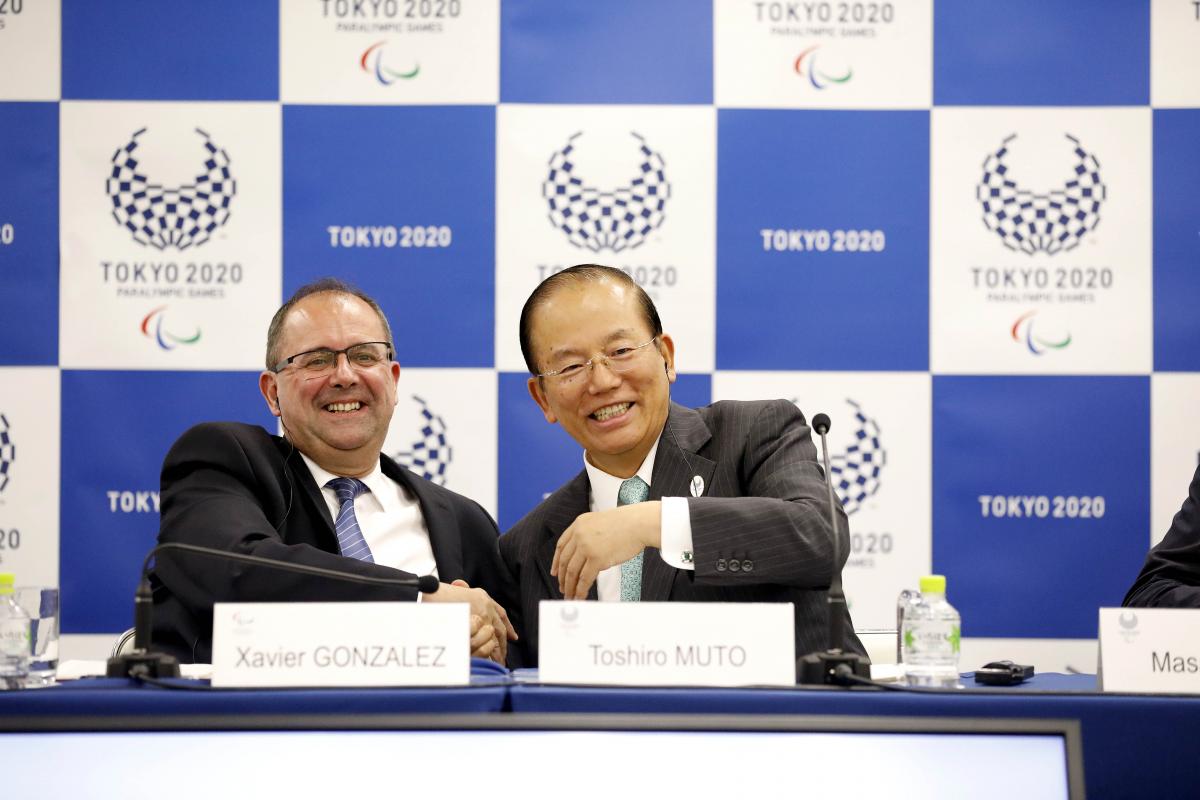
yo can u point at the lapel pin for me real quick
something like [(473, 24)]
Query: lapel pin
[(697, 486)]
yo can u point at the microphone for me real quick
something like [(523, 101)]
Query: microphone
[(833, 666), (144, 663)]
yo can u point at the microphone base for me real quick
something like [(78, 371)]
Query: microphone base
[(143, 664), (826, 668)]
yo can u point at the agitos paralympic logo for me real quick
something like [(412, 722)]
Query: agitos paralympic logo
[(371, 62), (154, 327), (817, 77), (1023, 331)]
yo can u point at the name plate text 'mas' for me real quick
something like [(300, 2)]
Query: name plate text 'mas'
[(1151, 650), (666, 644), (340, 644)]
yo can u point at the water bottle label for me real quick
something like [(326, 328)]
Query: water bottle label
[(932, 637), (14, 637)]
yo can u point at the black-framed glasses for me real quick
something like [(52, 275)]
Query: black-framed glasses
[(620, 358), (363, 355)]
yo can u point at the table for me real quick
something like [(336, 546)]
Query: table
[(1133, 745)]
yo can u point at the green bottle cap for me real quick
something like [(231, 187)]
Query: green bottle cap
[(7, 582), (933, 584)]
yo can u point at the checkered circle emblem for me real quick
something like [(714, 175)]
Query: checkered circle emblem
[(430, 455), (163, 217), (1031, 222), (856, 471), (606, 220), (8, 452)]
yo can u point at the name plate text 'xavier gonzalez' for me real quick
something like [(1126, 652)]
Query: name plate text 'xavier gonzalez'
[(1151, 650), (341, 644), (666, 644)]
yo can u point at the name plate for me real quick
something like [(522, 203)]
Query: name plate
[(340, 644), (666, 644), (1151, 650)]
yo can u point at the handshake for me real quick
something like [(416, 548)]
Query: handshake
[(491, 630)]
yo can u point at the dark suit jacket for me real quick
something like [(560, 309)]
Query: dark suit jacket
[(235, 487), (764, 507), (1171, 575)]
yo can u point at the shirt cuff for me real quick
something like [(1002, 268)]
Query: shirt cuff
[(676, 523)]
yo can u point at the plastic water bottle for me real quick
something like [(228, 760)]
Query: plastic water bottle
[(905, 602), (932, 631), (14, 637)]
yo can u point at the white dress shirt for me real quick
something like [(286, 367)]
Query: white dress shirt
[(676, 523), (390, 520)]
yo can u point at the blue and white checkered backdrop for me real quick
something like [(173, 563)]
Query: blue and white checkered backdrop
[(968, 231)]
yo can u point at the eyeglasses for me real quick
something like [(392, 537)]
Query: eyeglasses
[(619, 359), (318, 362)]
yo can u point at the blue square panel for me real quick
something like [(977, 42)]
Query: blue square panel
[(116, 429), (620, 51), (178, 50), (401, 202), (29, 233), (537, 457), (823, 240), (1041, 53), (1041, 499), (1176, 240)]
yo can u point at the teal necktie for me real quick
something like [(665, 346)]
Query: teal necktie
[(634, 490)]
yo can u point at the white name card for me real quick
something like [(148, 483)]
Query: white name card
[(340, 644), (1151, 650), (666, 644)]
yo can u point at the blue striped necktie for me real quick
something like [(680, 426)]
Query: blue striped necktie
[(634, 490), (349, 535)]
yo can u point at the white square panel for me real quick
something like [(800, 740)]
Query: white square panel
[(823, 55), (29, 473), (389, 53), (1040, 240), (628, 187), (170, 238)]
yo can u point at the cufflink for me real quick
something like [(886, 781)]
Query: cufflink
[(686, 557)]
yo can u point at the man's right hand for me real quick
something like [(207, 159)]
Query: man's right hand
[(490, 628)]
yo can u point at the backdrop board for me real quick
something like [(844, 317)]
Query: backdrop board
[(964, 230)]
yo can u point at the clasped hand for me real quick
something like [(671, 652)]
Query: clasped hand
[(598, 540), (490, 629)]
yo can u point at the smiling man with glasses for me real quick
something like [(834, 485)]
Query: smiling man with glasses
[(722, 503), (322, 494)]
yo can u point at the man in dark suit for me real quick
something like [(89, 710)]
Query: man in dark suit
[(723, 503), (323, 495), (1170, 577)]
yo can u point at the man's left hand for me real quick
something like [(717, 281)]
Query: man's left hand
[(598, 540)]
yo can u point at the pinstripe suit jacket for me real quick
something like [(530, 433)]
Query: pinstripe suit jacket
[(764, 508)]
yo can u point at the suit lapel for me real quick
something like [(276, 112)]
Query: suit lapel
[(675, 463), (571, 502), (439, 520), (309, 493)]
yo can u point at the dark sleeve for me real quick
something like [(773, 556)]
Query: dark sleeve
[(225, 486), (1170, 577), (484, 567), (781, 523), (523, 652)]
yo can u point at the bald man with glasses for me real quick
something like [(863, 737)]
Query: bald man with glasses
[(322, 495), (725, 503)]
